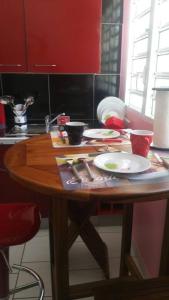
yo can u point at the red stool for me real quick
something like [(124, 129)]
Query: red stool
[(19, 222)]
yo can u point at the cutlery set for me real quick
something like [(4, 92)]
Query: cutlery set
[(161, 160), (75, 172), (70, 162)]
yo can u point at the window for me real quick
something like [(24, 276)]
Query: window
[(148, 53)]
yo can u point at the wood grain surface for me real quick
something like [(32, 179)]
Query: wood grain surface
[(32, 163)]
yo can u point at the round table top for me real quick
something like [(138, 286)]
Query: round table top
[(32, 163)]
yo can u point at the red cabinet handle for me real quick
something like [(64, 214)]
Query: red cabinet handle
[(10, 65), (44, 65)]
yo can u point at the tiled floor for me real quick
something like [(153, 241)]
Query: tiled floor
[(35, 254)]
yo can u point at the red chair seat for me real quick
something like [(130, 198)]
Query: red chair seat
[(19, 222)]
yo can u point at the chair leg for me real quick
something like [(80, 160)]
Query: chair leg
[(38, 282), (6, 261)]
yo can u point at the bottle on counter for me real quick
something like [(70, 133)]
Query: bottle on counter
[(2, 117)]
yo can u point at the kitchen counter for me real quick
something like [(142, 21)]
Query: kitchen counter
[(15, 135)]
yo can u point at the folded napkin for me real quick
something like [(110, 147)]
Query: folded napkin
[(114, 123)]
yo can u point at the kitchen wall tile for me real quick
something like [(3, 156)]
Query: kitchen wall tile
[(21, 86), (72, 94), (112, 11), (111, 43)]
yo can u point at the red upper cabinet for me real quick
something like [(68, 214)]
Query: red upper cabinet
[(12, 36), (63, 36)]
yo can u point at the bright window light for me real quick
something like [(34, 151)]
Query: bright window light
[(148, 53)]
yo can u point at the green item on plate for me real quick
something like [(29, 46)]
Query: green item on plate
[(108, 133), (111, 166)]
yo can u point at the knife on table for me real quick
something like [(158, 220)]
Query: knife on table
[(161, 160), (70, 162), (84, 161)]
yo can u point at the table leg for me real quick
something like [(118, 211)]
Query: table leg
[(164, 260), (58, 224), (126, 238), (94, 243), (81, 225)]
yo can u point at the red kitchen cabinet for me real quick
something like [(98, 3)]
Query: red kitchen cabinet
[(12, 36), (63, 36), (53, 36)]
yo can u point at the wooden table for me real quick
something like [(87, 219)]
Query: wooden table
[(32, 163)]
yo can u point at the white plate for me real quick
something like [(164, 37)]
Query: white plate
[(101, 133), (122, 163), (112, 104)]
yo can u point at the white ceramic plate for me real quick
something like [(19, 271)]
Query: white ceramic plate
[(122, 163), (112, 104), (101, 133)]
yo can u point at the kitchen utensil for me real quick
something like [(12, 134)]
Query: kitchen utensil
[(161, 160), (70, 162), (29, 101), (19, 110), (7, 100), (85, 162)]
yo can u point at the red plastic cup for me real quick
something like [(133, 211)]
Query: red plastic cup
[(140, 141)]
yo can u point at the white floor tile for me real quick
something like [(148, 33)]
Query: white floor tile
[(108, 229), (15, 255), (113, 242), (45, 298), (43, 269), (83, 267), (81, 258), (105, 229), (37, 249), (81, 276), (12, 283), (42, 232), (114, 264)]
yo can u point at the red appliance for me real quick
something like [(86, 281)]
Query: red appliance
[(2, 116)]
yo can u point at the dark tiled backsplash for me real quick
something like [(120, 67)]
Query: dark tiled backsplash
[(76, 95), (21, 86), (72, 94)]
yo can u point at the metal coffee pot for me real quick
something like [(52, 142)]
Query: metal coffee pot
[(19, 110)]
